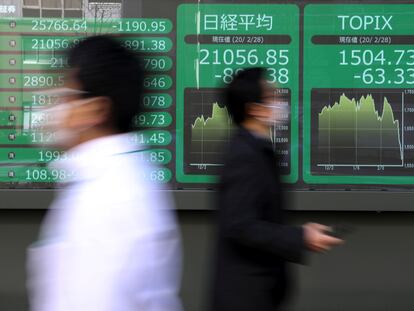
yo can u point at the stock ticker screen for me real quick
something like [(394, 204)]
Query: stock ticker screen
[(346, 69)]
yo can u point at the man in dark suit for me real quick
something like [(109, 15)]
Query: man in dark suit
[(254, 243)]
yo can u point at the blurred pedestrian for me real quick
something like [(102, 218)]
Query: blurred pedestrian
[(110, 241), (254, 242)]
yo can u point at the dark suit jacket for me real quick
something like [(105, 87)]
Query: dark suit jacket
[(254, 243)]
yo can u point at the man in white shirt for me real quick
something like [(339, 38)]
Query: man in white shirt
[(110, 241)]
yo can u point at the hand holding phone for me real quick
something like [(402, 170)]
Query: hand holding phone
[(340, 231), (318, 238)]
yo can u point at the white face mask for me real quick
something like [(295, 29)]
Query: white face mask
[(279, 114), (55, 116)]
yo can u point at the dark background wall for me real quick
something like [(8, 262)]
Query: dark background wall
[(371, 272)]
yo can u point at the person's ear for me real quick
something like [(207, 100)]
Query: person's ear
[(100, 110), (97, 112)]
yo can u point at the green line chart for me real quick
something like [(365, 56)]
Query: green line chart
[(357, 125), (361, 131)]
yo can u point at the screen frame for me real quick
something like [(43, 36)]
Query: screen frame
[(300, 200), (204, 200)]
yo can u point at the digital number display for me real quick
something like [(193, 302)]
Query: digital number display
[(346, 70), (358, 94), (224, 40), (32, 58)]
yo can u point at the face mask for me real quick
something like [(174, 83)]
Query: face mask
[(279, 114), (61, 136), (56, 116)]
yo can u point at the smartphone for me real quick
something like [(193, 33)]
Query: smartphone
[(340, 231)]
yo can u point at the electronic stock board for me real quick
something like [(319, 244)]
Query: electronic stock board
[(346, 69)]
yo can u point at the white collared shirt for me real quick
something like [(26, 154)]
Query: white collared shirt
[(110, 241)]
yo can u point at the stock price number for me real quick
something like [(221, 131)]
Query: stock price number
[(159, 101), (58, 62), (157, 82), (161, 175), (154, 119), (45, 175), (157, 63), (139, 26), (59, 25), (244, 57), (279, 76), (394, 57), (157, 156), (39, 81), (41, 137), (381, 76), (152, 137), (51, 155), (145, 45), (42, 100), (52, 44)]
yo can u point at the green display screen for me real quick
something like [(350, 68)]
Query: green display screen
[(32, 58), (224, 40), (346, 70), (358, 95)]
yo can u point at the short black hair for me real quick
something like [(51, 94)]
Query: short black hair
[(103, 67), (245, 88)]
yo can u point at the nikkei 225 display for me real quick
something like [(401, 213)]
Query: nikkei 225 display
[(349, 67), (358, 94), (213, 43)]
